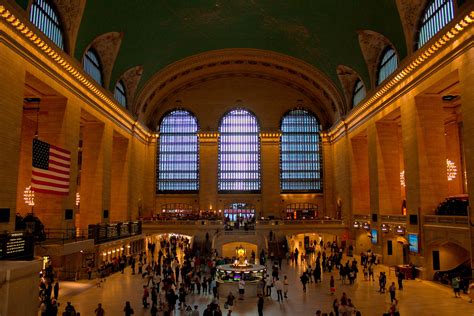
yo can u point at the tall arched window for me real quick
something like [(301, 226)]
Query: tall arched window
[(178, 160), (301, 167), (44, 16), (387, 65), (437, 14), (239, 152), (359, 92), (92, 66), (119, 93)]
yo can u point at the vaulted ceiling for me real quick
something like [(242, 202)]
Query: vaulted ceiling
[(159, 32)]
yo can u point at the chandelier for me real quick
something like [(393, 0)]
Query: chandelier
[(451, 170), (29, 196)]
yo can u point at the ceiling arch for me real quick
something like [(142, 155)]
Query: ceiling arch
[(265, 65)]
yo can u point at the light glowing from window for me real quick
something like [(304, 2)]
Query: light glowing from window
[(388, 64), (45, 18), (239, 152), (300, 152), (437, 14), (119, 93), (91, 65), (359, 92), (178, 160)]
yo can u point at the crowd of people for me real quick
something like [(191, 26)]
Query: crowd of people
[(241, 222), (171, 271)]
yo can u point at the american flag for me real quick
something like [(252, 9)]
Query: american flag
[(51, 167)]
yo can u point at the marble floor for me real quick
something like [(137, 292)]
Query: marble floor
[(417, 298)]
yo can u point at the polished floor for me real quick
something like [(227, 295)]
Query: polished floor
[(417, 298)]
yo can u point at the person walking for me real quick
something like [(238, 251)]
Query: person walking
[(392, 290), (268, 285), (279, 289), (241, 289), (69, 310), (332, 285), (335, 307), (260, 306), (304, 280), (128, 309), (230, 300), (455, 283), (285, 286), (145, 296), (99, 311), (56, 290), (400, 277)]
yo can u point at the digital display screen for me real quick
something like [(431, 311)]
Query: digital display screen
[(237, 277), (413, 241), (374, 234)]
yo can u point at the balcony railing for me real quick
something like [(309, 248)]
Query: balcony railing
[(394, 218), (446, 220), (63, 236), (108, 232)]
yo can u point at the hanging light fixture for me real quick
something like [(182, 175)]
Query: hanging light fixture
[(78, 198), (451, 170), (29, 196), (402, 178)]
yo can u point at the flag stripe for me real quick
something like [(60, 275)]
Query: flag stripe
[(52, 175), (53, 161), (61, 172), (50, 182), (60, 149), (46, 178), (48, 187), (59, 158)]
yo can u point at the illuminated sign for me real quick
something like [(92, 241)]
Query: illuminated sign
[(374, 238), (16, 245), (413, 241)]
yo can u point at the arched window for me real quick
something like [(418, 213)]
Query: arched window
[(388, 64), (239, 152), (359, 92), (44, 17), (92, 66), (437, 14), (178, 162), (119, 93), (300, 152)]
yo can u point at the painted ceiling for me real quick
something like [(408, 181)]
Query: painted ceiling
[(159, 32)]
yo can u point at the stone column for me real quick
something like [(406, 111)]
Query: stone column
[(425, 153), (466, 82), (11, 103), (330, 208), (374, 184), (208, 151), (424, 146), (96, 172), (388, 168), (360, 175), (59, 125), (119, 179), (270, 162)]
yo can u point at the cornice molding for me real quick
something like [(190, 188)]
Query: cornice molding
[(405, 75), (72, 75)]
